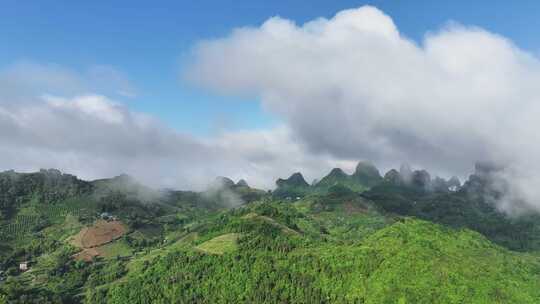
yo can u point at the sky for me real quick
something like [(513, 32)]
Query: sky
[(148, 42), (178, 92)]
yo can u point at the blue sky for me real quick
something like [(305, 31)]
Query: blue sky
[(147, 41)]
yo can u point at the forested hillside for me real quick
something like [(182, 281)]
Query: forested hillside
[(362, 238)]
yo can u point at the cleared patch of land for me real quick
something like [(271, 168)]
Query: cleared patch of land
[(271, 221), (354, 207), (95, 240), (114, 249), (221, 244), (102, 232), (87, 254)]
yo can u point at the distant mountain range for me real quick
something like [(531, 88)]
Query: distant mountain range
[(365, 176)]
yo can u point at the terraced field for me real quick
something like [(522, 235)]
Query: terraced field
[(22, 225)]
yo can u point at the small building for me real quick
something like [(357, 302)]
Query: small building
[(108, 217), (24, 266), (105, 215)]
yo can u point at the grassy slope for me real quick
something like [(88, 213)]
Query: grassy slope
[(115, 249), (220, 244)]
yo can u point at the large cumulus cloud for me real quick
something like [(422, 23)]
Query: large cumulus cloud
[(354, 87), (51, 117)]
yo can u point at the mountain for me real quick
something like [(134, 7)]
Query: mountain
[(223, 182), (295, 180), (292, 187), (421, 179), (225, 192), (367, 174), (393, 177), (404, 239), (242, 183), (335, 177)]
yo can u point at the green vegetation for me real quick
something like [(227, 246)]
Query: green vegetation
[(461, 209), (356, 238), (408, 262), (115, 249)]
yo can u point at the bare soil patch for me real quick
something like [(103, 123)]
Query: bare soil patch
[(354, 207), (101, 233), (90, 238), (86, 255)]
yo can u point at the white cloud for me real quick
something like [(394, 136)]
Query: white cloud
[(24, 80), (94, 136), (354, 87)]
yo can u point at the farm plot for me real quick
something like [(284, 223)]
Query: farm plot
[(102, 232)]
